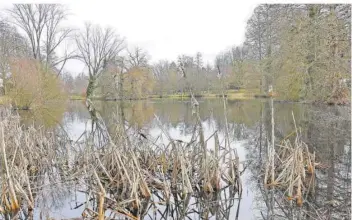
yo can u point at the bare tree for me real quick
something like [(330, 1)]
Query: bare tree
[(199, 61), (137, 58), (138, 73), (42, 26), (96, 48), (55, 36)]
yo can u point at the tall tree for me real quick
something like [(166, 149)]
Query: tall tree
[(42, 25), (199, 61), (139, 80), (137, 58), (260, 37), (97, 47)]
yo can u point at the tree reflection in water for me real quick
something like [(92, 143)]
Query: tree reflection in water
[(217, 205), (326, 130), (173, 194)]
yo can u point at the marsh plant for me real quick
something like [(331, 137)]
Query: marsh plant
[(125, 172)]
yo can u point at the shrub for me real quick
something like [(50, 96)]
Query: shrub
[(32, 86)]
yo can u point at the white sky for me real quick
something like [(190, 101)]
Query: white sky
[(166, 28), (169, 28)]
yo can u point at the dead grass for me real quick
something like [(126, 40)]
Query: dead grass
[(294, 168), (27, 156)]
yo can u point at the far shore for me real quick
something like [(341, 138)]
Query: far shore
[(229, 96)]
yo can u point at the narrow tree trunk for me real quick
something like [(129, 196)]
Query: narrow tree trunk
[(90, 88), (272, 140), (311, 57)]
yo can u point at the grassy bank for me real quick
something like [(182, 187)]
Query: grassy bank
[(242, 94), (230, 94), (77, 97)]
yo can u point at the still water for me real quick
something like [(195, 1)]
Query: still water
[(326, 130)]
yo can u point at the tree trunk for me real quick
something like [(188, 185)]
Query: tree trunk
[(120, 86), (90, 88), (311, 57)]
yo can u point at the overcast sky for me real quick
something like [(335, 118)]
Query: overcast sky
[(167, 29)]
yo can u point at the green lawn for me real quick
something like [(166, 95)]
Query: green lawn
[(241, 94), (77, 97), (231, 94)]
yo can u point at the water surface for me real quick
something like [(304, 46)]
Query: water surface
[(326, 130)]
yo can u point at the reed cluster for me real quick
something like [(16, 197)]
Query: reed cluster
[(125, 173), (294, 169)]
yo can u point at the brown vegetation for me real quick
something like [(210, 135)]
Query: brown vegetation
[(122, 170), (31, 86), (291, 168)]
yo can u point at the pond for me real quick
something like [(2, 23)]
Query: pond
[(325, 129)]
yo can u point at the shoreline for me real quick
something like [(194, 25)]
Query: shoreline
[(213, 96)]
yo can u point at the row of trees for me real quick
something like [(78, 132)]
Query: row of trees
[(302, 50), (187, 73)]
